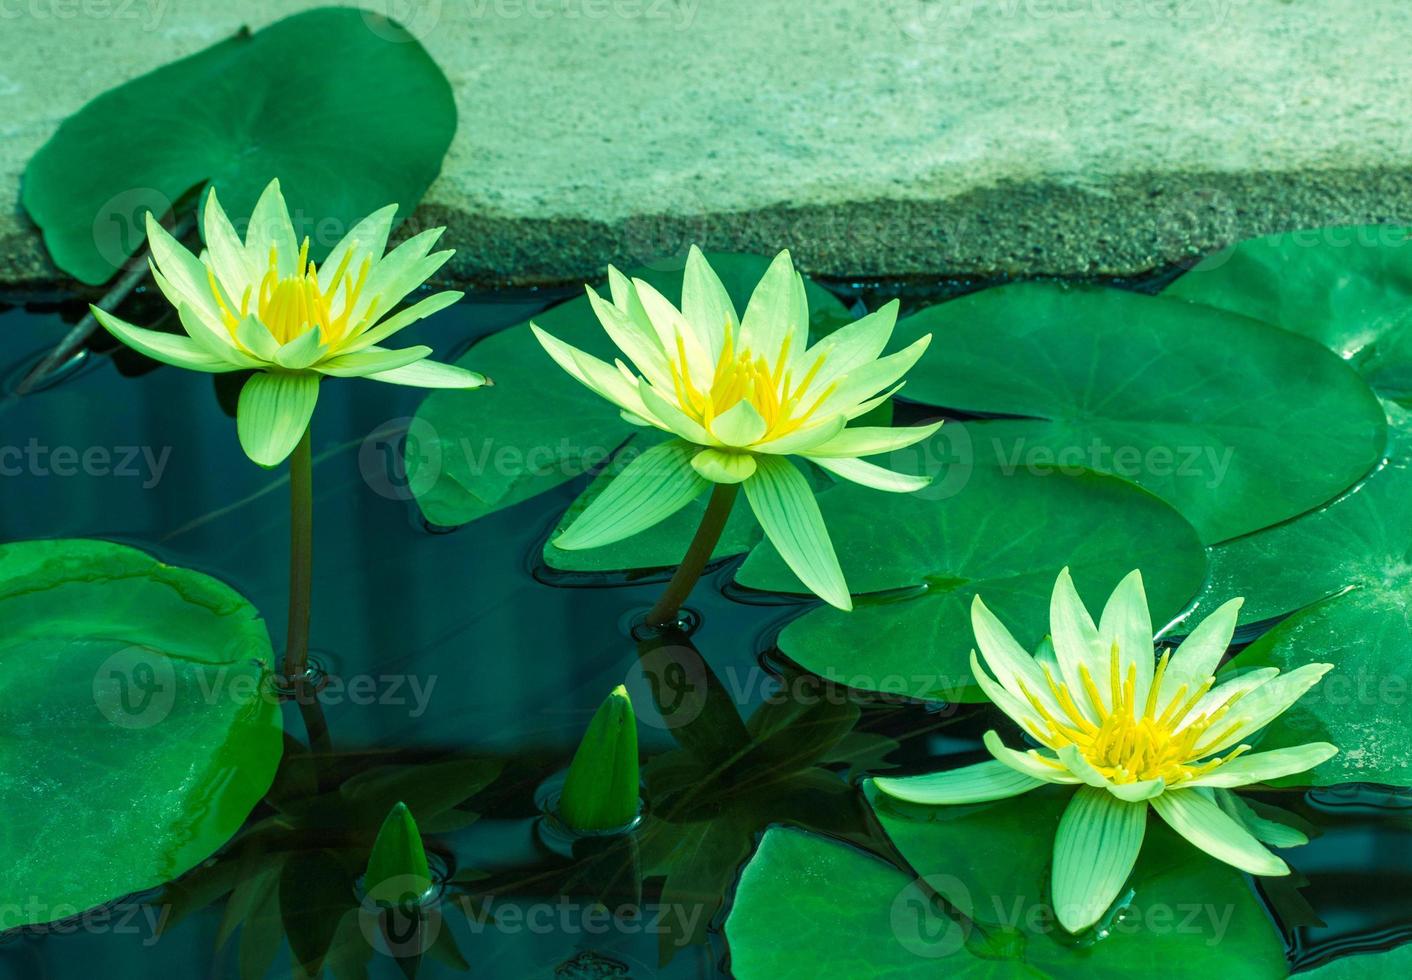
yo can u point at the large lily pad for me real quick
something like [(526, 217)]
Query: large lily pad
[(539, 428), (347, 109), (1188, 915), (136, 729), (1350, 288), (1363, 705), (918, 559), (1200, 406)]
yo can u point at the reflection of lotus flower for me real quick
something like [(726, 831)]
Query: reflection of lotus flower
[(261, 304), (740, 394), (1130, 731)]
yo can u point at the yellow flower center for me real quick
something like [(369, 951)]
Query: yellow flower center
[(291, 306), (1133, 742), (743, 376)]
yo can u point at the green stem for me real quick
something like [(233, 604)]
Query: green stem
[(688, 573), (301, 576)]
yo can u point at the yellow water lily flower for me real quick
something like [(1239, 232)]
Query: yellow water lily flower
[(740, 394), (262, 304), (1130, 730)]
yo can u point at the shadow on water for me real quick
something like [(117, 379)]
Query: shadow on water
[(462, 677)]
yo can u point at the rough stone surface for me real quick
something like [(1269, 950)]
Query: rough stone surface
[(884, 139)]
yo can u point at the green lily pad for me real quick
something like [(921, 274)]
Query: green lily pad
[(538, 428), (920, 558), (1363, 705), (1350, 288), (136, 730), (345, 107), (1200, 406), (1188, 915), (1360, 541)]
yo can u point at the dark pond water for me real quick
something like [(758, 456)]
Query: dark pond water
[(471, 646)]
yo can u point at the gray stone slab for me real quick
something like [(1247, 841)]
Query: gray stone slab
[(876, 139)]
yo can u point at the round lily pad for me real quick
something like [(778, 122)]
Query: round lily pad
[(1236, 424), (136, 728), (538, 428), (344, 107), (1349, 288), (915, 562), (1187, 915)]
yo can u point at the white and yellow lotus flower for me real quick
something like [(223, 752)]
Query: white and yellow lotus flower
[(740, 394), (1130, 731), (262, 304)]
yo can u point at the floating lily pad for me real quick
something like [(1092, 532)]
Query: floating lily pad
[(136, 730), (1363, 705), (1188, 915), (539, 428), (918, 559), (1234, 423), (1350, 288), (345, 107), (1360, 541)]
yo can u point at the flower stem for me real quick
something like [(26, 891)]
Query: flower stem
[(301, 573), (688, 573)]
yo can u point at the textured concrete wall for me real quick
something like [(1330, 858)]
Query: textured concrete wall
[(873, 137)]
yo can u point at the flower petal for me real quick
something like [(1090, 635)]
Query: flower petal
[(770, 316), (868, 440), (1076, 645), (678, 334), (642, 347), (651, 488), (1197, 657), (672, 418), (1127, 622), (302, 351), (430, 374), (367, 237), (371, 360), (1261, 767), (785, 506), (257, 339), (802, 438), (719, 466), (183, 271), (1205, 825), (274, 411), (1011, 663), (179, 351), (1263, 704), (420, 310), (270, 227), (705, 302), (869, 379), (1263, 829), (1095, 848), (1026, 762), (215, 338), (980, 783), (596, 375), (871, 475), (739, 426), (229, 260), (1015, 707), (856, 344)]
